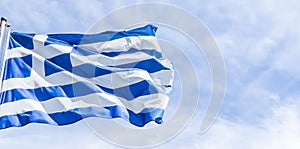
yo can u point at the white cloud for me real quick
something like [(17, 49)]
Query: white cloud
[(259, 43), (279, 130)]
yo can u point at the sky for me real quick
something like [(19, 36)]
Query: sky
[(259, 42)]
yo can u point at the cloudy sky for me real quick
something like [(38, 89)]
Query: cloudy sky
[(259, 41)]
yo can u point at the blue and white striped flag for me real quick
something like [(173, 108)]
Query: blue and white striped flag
[(60, 79)]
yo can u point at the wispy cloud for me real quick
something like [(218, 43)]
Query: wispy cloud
[(279, 130)]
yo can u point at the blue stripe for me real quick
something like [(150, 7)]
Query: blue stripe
[(81, 89), (83, 51), (74, 115), (153, 52), (150, 65), (76, 39), (41, 94), (46, 93), (78, 89), (63, 62), (87, 52), (23, 119), (132, 91), (19, 67), (64, 39), (90, 71)]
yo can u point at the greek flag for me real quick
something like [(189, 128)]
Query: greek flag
[(59, 79)]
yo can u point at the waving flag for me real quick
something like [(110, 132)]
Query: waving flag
[(60, 79)]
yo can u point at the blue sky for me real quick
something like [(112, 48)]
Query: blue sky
[(259, 41)]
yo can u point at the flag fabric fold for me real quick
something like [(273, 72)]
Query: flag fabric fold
[(60, 79)]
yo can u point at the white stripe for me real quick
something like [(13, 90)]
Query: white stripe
[(163, 77), (121, 79), (20, 106), (56, 105), (103, 60), (124, 44), (17, 52)]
